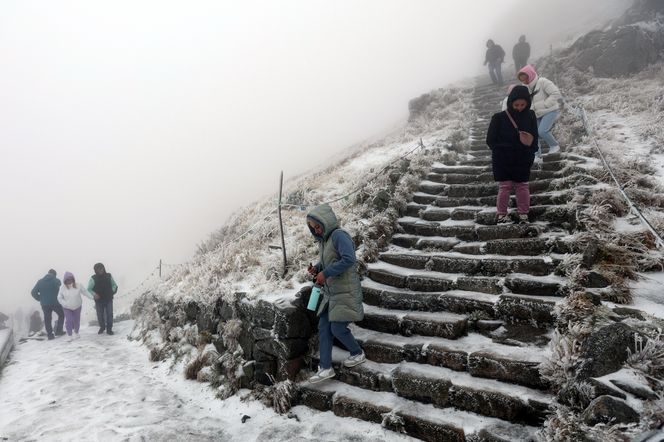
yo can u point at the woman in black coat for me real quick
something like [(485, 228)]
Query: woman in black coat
[(511, 160)]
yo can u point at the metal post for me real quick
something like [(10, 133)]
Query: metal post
[(281, 225), (160, 268)]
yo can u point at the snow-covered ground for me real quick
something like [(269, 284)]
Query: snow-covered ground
[(104, 388)]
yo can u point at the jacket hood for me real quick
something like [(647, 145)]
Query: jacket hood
[(518, 92), (522, 39), (323, 215), (530, 71), (68, 275)]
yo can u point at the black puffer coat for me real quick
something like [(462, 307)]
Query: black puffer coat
[(511, 160)]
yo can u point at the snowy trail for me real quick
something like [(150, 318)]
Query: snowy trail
[(104, 388)]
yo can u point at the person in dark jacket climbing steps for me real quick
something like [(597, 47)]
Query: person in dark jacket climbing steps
[(103, 287), (511, 159)]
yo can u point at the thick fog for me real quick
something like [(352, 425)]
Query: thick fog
[(130, 130)]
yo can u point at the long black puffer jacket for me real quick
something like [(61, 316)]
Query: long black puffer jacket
[(510, 159)]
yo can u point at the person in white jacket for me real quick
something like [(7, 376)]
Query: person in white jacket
[(547, 100), (70, 297)]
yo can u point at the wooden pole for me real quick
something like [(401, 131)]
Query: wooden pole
[(281, 225)]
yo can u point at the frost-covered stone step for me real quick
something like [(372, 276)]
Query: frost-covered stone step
[(485, 177), (539, 285), (446, 388), (486, 265), (491, 189), (538, 199), (555, 214), (456, 301), (407, 323), (431, 281), (421, 421), (469, 230), (476, 354), (441, 169), (429, 242), (526, 308), (428, 281)]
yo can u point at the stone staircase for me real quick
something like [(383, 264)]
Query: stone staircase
[(458, 310)]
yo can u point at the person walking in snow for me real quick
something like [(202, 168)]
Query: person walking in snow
[(546, 102), (103, 287), (495, 55), (521, 53), (511, 156), (336, 273), (70, 297), (46, 292)]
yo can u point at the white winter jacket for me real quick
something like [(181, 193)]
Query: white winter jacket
[(546, 96), (70, 298)]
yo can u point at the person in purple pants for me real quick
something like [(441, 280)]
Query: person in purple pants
[(71, 299)]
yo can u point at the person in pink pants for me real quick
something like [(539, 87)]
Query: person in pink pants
[(511, 159), (71, 298)]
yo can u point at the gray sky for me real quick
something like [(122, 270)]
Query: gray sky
[(130, 130)]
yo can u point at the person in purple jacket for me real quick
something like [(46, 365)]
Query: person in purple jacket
[(336, 273)]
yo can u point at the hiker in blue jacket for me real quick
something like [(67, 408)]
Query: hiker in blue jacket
[(336, 272), (46, 292), (103, 287)]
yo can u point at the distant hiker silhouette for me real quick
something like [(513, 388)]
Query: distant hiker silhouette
[(495, 55), (521, 53)]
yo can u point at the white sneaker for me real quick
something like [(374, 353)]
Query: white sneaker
[(70, 338), (77, 336), (523, 219), (503, 219), (322, 375), (554, 149), (352, 361)]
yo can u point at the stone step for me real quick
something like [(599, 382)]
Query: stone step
[(421, 421), (485, 177), (507, 247), (407, 323), (429, 243), (452, 262), (446, 388), (523, 308), (441, 169), (491, 189), (423, 281), (455, 301), (468, 230), (538, 199), (432, 281), (478, 355), (558, 215)]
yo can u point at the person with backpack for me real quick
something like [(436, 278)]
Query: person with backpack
[(70, 297), (495, 55), (336, 273), (103, 287), (46, 292), (546, 102), (521, 53), (512, 137)]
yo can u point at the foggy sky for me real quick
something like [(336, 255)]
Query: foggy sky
[(130, 130)]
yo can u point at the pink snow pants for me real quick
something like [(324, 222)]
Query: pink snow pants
[(522, 192)]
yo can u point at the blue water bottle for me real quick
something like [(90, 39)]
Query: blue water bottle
[(313, 298)]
